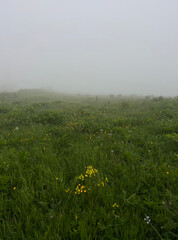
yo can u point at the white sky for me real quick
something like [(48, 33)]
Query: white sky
[(96, 46)]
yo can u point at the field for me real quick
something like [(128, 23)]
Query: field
[(83, 167)]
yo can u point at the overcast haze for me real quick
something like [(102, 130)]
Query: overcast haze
[(90, 46)]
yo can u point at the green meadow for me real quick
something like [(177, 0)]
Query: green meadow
[(87, 167)]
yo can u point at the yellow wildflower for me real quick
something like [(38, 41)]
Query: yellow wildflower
[(115, 205), (91, 171), (101, 184), (81, 177), (67, 190), (77, 190)]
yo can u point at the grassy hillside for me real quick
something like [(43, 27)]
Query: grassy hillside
[(82, 167)]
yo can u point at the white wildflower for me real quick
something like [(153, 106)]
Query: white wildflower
[(147, 219)]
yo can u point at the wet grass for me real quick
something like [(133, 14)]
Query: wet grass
[(81, 167)]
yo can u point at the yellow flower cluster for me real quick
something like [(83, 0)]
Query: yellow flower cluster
[(81, 177), (89, 173), (101, 184), (67, 190), (73, 125), (115, 205), (80, 189)]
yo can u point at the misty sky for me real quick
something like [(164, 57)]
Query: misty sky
[(90, 46)]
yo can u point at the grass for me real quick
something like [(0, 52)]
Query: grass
[(81, 167)]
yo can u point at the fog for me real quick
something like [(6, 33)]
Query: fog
[(94, 47)]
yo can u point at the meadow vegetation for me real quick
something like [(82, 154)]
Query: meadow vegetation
[(85, 167)]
